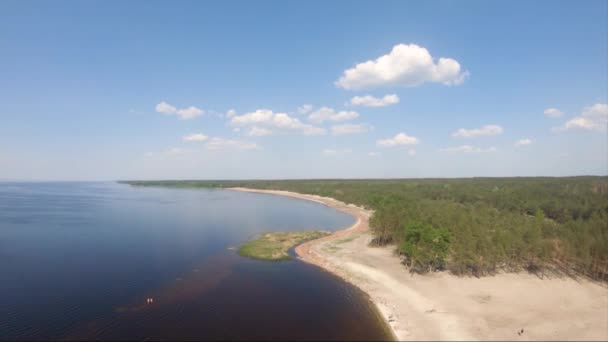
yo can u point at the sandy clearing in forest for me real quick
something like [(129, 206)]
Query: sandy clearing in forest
[(441, 306)]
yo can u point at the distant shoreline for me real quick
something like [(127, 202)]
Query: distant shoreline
[(441, 306)]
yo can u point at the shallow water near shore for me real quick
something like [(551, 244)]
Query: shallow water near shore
[(81, 260)]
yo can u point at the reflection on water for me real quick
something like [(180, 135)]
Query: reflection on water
[(107, 261)]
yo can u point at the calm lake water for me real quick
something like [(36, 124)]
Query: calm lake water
[(79, 260)]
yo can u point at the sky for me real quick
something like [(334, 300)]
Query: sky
[(108, 90)]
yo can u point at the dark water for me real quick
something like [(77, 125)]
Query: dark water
[(79, 260)]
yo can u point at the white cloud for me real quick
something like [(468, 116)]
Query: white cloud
[(195, 137), (593, 118), (371, 101), (280, 121), (487, 130), (522, 142), (221, 143), (399, 139), (304, 109), (373, 154), (165, 108), (411, 152), (230, 113), (553, 112), (189, 113), (408, 65), (350, 129), (329, 114), (256, 131), (333, 152), (468, 149), (183, 113)]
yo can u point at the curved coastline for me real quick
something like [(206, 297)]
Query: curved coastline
[(440, 306), (306, 253)]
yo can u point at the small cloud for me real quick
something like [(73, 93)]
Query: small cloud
[(370, 101), (407, 65), (189, 113), (399, 139), (195, 137), (553, 113), (165, 108), (304, 109), (593, 118), (350, 129), (468, 149), (329, 114), (184, 113), (522, 142), (281, 122), (258, 132), (411, 152), (488, 130), (373, 154)]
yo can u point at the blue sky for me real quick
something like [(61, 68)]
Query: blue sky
[(261, 89)]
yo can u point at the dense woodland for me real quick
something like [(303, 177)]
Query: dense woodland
[(475, 226)]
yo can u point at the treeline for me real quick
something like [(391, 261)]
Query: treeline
[(474, 226)]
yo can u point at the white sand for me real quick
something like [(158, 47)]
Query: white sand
[(441, 306)]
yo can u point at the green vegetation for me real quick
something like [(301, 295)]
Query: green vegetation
[(274, 246), (474, 226)]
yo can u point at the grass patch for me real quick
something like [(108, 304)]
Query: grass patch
[(274, 246)]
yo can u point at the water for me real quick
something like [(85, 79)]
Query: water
[(79, 260)]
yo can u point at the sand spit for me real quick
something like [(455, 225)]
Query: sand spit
[(441, 306)]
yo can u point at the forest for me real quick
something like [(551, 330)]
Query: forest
[(473, 226)]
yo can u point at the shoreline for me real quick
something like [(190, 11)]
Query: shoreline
[(441, 306), (305, 253)]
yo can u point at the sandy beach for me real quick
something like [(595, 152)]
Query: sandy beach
[(441, 306)]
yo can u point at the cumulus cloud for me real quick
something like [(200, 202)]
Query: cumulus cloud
[(553, 113), (333, 152), (406, 65), (221, 143), (522, 142), (278, 121), (350, 129), (371, 101), (468, 149), (487, 130), (329, 114), (399, 139), (593, 118), (183, 113), (165, 108), (195, 137), (304, 109)]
